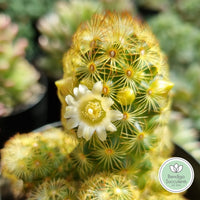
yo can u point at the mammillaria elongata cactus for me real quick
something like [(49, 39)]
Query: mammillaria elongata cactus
[(37, 157), (115, 100), (18, 78), (115, 104)]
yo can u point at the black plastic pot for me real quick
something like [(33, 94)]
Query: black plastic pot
[(54, 105), (193, 193), (31, 117)]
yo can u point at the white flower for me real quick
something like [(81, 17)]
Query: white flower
[(90, 112)]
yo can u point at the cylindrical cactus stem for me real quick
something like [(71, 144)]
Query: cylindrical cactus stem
[(115, 93)]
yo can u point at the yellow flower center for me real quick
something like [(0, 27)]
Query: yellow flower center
[(92, 111)]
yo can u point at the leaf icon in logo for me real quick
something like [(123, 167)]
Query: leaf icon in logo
[(172, 168), (180, 168), (176, 168)]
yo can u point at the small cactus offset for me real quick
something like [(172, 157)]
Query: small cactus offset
[(18, 78), (35, 157)]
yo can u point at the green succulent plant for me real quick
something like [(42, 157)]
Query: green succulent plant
[(184, 93), (18, 78), (25, 13), (184, 134), (58, 26), (188, 10), (36, 157), (183, 55), (115, 95), (183, 48)]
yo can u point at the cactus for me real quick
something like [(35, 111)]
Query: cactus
[(55, 189), (58, 26), (115, 95), (18, 78), (35, 157), (115, 99)]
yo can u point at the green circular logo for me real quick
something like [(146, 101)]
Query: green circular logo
[(176, 175)]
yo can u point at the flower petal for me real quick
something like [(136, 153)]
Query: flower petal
[(106, 102), (97, 88), (72, 123), (70, 111), (75, 91), (82, 89), (101, 133), (70, 100), (88, 132), (115, 115), (111, 127)]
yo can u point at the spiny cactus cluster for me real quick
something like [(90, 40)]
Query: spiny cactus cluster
[(58, 26), (18, 78), (36, 157), (42, 165), (115, 107), (115, 99)]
